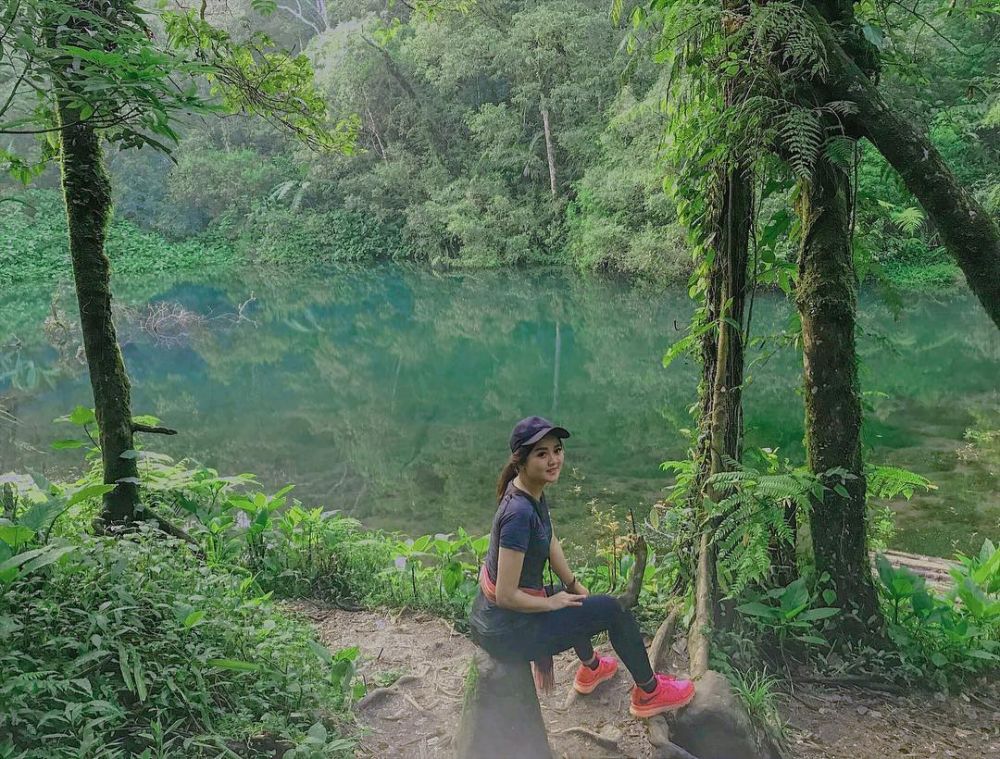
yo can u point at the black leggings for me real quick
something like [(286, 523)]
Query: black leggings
[(550, 632)]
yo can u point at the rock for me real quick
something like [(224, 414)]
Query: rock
[(715, 725)]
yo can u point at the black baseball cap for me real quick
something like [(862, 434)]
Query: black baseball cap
[(530, 430)]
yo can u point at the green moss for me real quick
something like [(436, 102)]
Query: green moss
[(471, 680)]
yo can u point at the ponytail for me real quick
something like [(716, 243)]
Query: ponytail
[(510, 470)]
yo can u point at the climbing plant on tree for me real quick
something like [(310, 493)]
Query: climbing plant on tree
[(793, 87), (96, 72)]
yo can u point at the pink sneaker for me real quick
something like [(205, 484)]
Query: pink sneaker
[(587, 679), (670, 693)]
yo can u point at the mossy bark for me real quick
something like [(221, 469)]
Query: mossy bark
[(967, 229), (87, 192), (826, 297)]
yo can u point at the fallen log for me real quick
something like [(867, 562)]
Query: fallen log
[(936, 571)]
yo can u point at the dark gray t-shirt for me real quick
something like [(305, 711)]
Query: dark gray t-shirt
[(522, 524)]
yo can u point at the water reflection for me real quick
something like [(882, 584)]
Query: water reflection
[(390, 393)]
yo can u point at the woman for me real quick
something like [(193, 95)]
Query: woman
[(515, 616)]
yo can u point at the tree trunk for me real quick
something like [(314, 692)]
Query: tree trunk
[(723, 380), (87, 192), (969, 232), (501, 715), (827, 300), (550, 153)]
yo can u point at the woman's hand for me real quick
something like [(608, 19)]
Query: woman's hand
[(578, 588), (562, 599)]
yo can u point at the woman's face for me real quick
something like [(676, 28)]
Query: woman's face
[(545, 460)]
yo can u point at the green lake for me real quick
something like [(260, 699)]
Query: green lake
[(389, 393)]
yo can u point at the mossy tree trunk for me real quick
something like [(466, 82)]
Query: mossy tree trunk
[(826, 297), (87, 192), (968, 230)]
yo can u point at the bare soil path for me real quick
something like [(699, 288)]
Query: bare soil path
[(417, 716)]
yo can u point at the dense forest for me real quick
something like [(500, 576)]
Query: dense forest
[(268, 221), (528, 133)]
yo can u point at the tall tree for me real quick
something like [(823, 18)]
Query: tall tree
[(105, 78), (826, 296)]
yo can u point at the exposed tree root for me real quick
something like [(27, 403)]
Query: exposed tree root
[(609, 743), (660, 648)]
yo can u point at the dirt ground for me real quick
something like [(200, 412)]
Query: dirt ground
[(417, 716)]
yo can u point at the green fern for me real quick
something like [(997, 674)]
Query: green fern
[(891, 482), (908, 219), (802, 133), (753, 516), (840, 151)]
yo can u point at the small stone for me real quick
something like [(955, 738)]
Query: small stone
[(862, 710), (875, 714)]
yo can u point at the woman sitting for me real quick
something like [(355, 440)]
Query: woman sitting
[(515, 616)]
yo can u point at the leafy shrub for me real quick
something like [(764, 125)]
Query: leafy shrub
[(34, 244), (944, 639), (130, 646), (791, 612), (276, 234)]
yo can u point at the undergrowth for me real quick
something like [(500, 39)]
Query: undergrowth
[(131, 646)]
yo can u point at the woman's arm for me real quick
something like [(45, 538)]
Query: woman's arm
[(557, 560), (509, 596)]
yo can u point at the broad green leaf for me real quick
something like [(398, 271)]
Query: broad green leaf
[(321, 651), (51, 555), (81, 416), (66, 444), (86, 492), (140, 679), (795, 595), (235, 665), (14, 562), (756, 609), (813, 615), (15, 535)]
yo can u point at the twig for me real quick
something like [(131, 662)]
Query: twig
[(864, 683)]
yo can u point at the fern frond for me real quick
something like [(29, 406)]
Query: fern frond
[(891, 482)]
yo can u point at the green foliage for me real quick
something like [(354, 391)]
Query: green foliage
[(759, 693), (945, 639), (148, 652), (752, 515), (279, 235), (34, 245), (790, 613)]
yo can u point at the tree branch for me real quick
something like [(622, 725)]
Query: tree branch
[(152, 429)]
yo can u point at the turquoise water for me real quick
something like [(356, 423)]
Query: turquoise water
[(389, 394)]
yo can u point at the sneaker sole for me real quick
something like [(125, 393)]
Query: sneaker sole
[(652, 711), (586, 689)]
